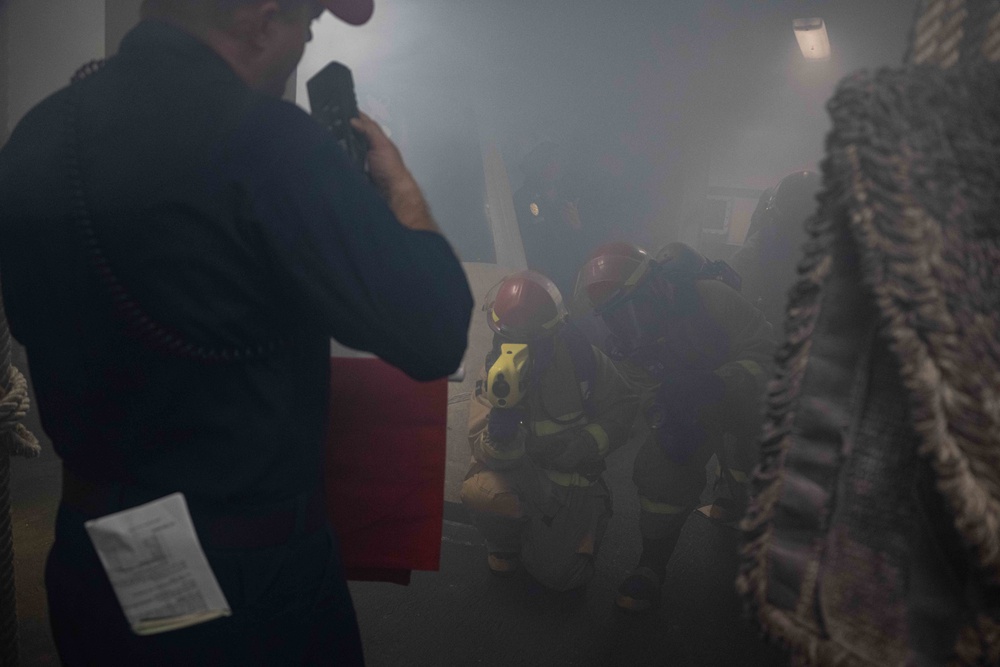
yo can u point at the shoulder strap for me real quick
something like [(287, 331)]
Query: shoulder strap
[(584, 365)]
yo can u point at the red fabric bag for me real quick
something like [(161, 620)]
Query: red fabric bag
[(385, 465)]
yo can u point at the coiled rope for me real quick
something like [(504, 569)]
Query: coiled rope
[(953, 32), (15, 440)]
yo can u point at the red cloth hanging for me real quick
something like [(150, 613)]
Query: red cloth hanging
[(385, 464)]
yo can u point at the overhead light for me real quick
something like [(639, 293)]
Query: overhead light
[(812, 38)]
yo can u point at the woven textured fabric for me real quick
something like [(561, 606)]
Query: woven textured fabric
[(874, 535), (955, 32)]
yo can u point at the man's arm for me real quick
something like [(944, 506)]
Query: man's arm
[(492, 455), (614, 404), (393, 179), (751, 337), (377, 282)]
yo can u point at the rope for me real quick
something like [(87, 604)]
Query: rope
[(14, 440), (918, 209), (953, 32), (8, 596)]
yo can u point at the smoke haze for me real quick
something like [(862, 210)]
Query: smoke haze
[(651, 101)]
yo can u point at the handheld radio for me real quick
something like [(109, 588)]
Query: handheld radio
[(333, 103)]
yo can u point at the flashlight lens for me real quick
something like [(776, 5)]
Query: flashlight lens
[(500, 387)]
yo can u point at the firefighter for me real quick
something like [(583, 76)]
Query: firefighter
[(549, 407), (697, 353), (767, 261)]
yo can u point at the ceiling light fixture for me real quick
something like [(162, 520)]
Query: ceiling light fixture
[(812, 37)]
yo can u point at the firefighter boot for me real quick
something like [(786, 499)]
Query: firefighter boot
[(502, 563), (640, 592)]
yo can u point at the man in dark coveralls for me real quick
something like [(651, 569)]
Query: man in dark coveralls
[(178, 246)]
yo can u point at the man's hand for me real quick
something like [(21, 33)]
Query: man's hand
[(392, 178), (504, 425)]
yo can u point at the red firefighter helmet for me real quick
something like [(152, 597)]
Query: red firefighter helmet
[(611, 274), (524, 306)]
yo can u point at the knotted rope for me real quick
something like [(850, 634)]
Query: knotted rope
[(954, 32), (907, 229), (14, 403), (15, 440)]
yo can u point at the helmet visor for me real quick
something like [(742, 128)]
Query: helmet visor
[(633, 319), (604, 282)]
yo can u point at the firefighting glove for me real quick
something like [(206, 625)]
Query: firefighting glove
[(676, 413), (503, 426), (566, 454)]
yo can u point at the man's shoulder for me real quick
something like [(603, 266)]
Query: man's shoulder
[(283, 112), (280, 127), (722, 302), (278, 142), (42, 119)]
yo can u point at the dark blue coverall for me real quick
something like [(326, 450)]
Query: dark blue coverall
[(233, 222)]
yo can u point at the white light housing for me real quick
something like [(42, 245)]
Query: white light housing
[(812, 38)]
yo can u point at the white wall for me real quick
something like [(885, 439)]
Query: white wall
[(122, 15), (47, 41)]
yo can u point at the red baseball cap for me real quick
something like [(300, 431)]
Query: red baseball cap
[(355, 12)]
